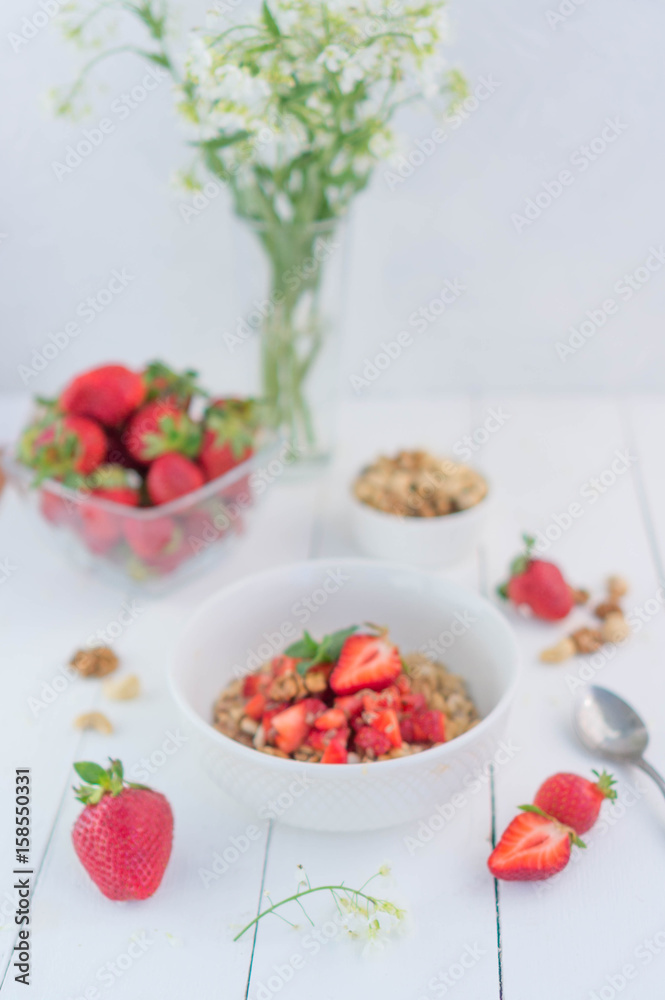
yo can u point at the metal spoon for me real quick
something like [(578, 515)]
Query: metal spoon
[(606, 724)]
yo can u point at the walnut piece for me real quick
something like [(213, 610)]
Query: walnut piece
[(587, 640), (95, 662), (94, 720), (606, 608)]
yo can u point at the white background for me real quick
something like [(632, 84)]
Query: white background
[(451, 219)]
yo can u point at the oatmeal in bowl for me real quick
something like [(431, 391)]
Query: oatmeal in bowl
[(351, 699), (418, 508)]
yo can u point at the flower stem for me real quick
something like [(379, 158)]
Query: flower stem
[(306, 892)]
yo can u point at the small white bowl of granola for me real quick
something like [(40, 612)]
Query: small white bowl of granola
[(419, 509), (269, 732)]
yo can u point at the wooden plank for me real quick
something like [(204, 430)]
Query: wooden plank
[(583, 926), (438, 865), (48, 609)]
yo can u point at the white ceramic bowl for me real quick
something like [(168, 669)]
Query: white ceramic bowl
[(242, 625), (421, 541)]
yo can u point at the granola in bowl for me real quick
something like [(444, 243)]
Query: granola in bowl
[(417, 484), (350, 698)]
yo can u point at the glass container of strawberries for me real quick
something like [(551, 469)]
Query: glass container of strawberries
[(145, 475)]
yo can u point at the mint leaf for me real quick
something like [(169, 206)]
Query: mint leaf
[(314, 653), (305, 647)]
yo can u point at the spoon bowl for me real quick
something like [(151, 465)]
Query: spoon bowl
[(608, 725)]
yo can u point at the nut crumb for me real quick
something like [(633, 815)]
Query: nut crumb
[(95, 662), (563, 650), (617, 586), (579, 595), (615, 628), (94, 720), (606, 608), (122, 688), (587, 640)]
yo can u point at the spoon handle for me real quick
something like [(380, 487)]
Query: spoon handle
[(653, 773)]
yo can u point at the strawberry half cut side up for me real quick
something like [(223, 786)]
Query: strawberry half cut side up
[(366, 661), (124, 835), (533, 847), (538, 584)]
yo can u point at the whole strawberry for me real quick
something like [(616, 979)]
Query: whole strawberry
[(64, 448), (539, 585), (160, 427), (171, 476), (573, 800), (107, 394), (230, 429), (124, 835), (175, 387)]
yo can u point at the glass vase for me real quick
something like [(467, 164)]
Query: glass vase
[(297, 315)]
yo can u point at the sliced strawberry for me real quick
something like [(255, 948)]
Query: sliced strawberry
[(283, 665), (430, 726), (404, 684), (407, 728), (532, 847), (314, 707), (255, 707), (386, 722), (390, 697), (366, 661), (332, 718), (253, 683), (351, 704), (368, 738), (273, 708), (335, 752), (414, 702), (291, 727)]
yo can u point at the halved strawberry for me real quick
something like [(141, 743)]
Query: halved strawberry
[(429, 726), (532, 847), (335, 752), (366, 661), (291, 727), (332, 718), (273, 708), (283, 665), (368, 738), (256, 706)]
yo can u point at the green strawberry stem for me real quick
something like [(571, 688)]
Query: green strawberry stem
[(519, 565), (605, 783), (101, 782), (574, 839)]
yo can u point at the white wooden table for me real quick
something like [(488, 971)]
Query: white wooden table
[(573, 937)]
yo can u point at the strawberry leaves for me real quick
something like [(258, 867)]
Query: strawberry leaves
[(100, 782), (312, 653)]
